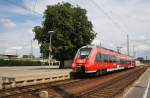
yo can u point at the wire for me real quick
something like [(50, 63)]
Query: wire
[(123, 23), (21, 6), (107, 15)]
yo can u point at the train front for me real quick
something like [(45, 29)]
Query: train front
[(82, 60)]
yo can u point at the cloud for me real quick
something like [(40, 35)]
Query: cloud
[(132, 16), (20, 39), (7, 23), (39, 5), (143, 47), (9, 52), (13, 49), (16, 48)]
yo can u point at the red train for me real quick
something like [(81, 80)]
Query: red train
[(93, 59)]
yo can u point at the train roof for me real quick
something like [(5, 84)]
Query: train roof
[(118, 54), (94, 46), (89, 46)]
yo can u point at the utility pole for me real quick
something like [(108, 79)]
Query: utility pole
[(133, 50), (146, 55), (31, 51), (128, 50)]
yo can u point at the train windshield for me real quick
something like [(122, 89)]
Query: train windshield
[(84, 52)]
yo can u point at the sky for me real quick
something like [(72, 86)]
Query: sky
[(112, 20)]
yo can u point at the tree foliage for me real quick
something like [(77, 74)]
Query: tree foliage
[(71, 27)]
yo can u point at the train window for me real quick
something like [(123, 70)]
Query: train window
[(123, 61), (129, 62), (98, 57), (114, 59), (118, 60), (111, 58), (105, 58), (84, 52), (102, 57)]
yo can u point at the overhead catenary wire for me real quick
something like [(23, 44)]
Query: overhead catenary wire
[(108, 16), (114, 22), (124, 25)]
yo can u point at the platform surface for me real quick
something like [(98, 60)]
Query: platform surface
[(23, 76), (24, 71), (141, 88)]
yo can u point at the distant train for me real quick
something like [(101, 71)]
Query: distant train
[(98, 60)]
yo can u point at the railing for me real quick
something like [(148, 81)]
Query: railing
[(11, 82)]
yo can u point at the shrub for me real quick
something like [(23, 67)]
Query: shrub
[(19, 63)]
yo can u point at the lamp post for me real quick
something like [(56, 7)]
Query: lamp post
[(50, 47)]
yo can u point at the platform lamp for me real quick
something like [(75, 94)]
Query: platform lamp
[(50, 45)]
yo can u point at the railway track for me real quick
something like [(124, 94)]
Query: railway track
[(106, 86), (6, 93), (114, 87)]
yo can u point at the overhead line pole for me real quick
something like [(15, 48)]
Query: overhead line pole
[(128, 50), (133, 51), (31, 54)]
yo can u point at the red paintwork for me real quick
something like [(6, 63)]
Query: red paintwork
[(92, 66)]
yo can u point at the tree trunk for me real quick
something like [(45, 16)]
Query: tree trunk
[(61, 64)]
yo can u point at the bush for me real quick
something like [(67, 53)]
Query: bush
[(19, 63), (145, 61)]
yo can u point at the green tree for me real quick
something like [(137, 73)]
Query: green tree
[(71, 27)]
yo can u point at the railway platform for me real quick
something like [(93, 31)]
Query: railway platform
[(141, 88), (22, 76)]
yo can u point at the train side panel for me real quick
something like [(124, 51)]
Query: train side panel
[(92, 60)]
